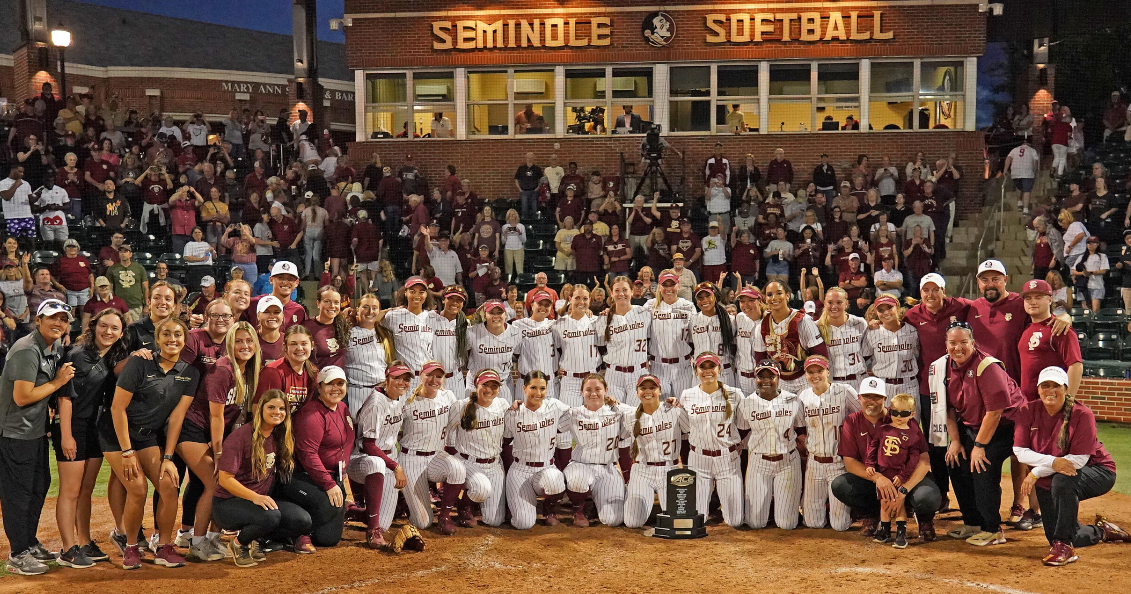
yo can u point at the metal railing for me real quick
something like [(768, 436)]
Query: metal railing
[(987, 239)]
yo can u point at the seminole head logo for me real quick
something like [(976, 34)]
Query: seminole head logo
[(658, 29), (891, 445)]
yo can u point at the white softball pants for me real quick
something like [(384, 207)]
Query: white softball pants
[(721, 473), (1059, 158), (420, 471), (622, 386), (793, 385), (606, 484), (674, 377), (818, 490), (644, 484), (486, 485), (364, 465), (748, 385), (525, 484), (777, 481)]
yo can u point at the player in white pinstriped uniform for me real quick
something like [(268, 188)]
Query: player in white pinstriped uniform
[(842, 333), (653, 444), (529, 436), (410, 326), (712, 329), (787, 336), (826, 406), (475, 425), (624, 333), (774, 470), (447, 325), (669, 339), (373, 464), (711, 409), (596, 429), (745, 326), (423, 432), (892, 351), (535, 348), (491, 344), (366, 354), (575, 336)]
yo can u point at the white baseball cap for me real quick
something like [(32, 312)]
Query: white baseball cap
[(207, 281), (1053, 374), (873, 385), (994, 265), (50, 307), (267, 301), (284, 267), (933, 277), (331, 373)]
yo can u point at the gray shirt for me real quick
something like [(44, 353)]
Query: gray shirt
[(233, 131), (30, 359), (923, 221)]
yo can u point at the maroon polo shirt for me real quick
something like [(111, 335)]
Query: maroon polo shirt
[(285, 230), (572, 208), (997, 328), (323, 441), (971, 395), (618, 249), (327, 351), (856, 434), (201, 351), (778, 171), (587, 252), (932, 331), (72, 273), (744, 259), (95, 305), (1035, 429), (218, 384), (1039, 349), (236, 460), (368, 241), (99, 169)]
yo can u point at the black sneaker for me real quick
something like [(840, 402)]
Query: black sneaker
[(883, 535), (94, 553), (40, 552), (900, 539), (75, 557), (119, 541), (270, 546)]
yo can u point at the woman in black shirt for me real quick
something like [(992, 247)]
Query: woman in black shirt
[(75, 438)]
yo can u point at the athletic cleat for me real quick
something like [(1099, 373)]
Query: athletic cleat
[(963, 532), (270, 546), (1111, 532), (184, 539), (868, 527), (927, 531), (1015, 514), (119, 541), (131, 557), (579, 519), (445, 525), (1060, 554), (241, 555), (74, 557), (551, 519), (982, 539), (900, 540), (356, 513), (219, 546), (94, 553), (466, 519), (167, 556), (882, 535), (303, 546), (26, 564), (374, 539), (1029, 520)]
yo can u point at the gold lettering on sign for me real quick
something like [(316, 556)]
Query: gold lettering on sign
[(466, 37), (786, 19), (442, 31), (812, 26), (715, 23), (555, 32), (531, 35), (602, 28), (857, 34), (876, 27), (512, 33), (573, 39), (489, 35), (759, 27), (740, 28), (836, 27)]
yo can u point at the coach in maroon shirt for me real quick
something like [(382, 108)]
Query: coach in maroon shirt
[(1039, 348), (587, 251)]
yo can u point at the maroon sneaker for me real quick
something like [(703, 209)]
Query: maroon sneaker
[(374, 539), (356, 513), (1061, 554), (131, 557), (445, 525), (303, 546), (579, 519), (466, 519), (868, 526), (927, 531), (167, 557), (1111, 532)]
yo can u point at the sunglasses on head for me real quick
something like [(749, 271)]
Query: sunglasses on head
[(901, 413), (958, 324)]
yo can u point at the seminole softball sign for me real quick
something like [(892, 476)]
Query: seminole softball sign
[(744, 27)]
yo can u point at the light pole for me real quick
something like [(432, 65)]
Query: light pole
[(61, 39)]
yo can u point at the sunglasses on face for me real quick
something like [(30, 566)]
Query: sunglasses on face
[(901, 413)]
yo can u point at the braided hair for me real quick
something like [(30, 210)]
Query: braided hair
[(729, 346), (1062, 440), (467, 421)]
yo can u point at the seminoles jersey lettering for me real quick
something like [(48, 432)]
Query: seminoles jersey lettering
[(772, 423), (488, 350), (380, 419), (670, 334), (894, 354), (485, 439), (824, 416), (706, 335), (660, 433), (597, 434), (425, 422), (536, 346), (744, 331), (444, 341), (844, 347), (577, 341), (364, 362), (708, 427), (535, 432), (628, 342), (413, 334)]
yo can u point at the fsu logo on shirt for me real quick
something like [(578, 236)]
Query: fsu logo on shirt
[(1035, 340), (1008, 317), (332, 345)]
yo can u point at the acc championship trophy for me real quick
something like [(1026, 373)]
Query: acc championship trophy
[(682, 519)]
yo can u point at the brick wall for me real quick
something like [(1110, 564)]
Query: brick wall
[(1110, 399), (490, 163), (949, 30)]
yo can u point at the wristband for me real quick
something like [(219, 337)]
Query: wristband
[(128, 453), (167, 457), (980, 445), (903, 490)]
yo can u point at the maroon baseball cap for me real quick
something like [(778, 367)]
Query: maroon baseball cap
[(704, 286), (817, 360), (648, 377), (542, 296), (886, 299), (705, 357), (751, 292), (1036, 286), (487, 375), (398, 370), (492, 304), (415, 280), (430, 366), (669, 276), (1093, 239)]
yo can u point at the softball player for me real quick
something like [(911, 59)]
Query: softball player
[(423, 432), (712, 329), (826, 406), (597, 430), (449, 339), (773, 473), (788, 337), (623, 331), (373, 468), (476, 426), (893, 350), (529, 436), (669, 339), (842, 334), (745, 327), (653, 448), (575, 336), (710, 420), (410, 325), (368, 351), (491, 343), (536, 341)]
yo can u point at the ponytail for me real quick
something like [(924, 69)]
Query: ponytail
[(461, 340), (823, 324), (613, 307), (636, 432), (726, 397), (467, 422), (1062, 441)]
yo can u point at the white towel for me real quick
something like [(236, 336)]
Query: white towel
[(936, 383)]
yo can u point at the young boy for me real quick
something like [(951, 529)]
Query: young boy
[(895, 454)]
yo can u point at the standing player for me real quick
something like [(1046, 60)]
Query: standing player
[(893, 350), (787, 336), (710, 422), (773, 473), (536, 340), (575, 336), (712, 329), (529, 436), (669, 339), (477, 423), (369, 349), (652, 448), (410, 326), (842, 333), (449, 338), (597, 428), (745, 327), (423, 431), (373, 468), (624, 333), (827, 405), (491, 343)]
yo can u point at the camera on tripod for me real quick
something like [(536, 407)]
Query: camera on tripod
[(583, 116), (653, 146)]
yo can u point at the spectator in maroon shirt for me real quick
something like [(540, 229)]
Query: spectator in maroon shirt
[(96, 172), (103, 299), (339, 239), (745, 257), (571, 205), (464, 212), (108, 255), (74, 273), (587, 251), (343, 173), (208, 180), (618, 253), (417, 214), (452, 185), (366, 241), (688, 244), (779, 169), (256, 181), (286, 231), (572, 177)]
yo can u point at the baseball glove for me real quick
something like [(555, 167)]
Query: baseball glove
[(407, 538)]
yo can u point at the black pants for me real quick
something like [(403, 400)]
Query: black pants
[(939, 470), (979, 493), (860, 494), (25, 477), (193, 490), (254, 522), (1061, 504), (326, 521)]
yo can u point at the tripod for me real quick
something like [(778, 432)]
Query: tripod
[(653, 174)]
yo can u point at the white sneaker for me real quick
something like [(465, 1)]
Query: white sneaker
[(184, 539), (205, 551), (222, 547), (154, 542)]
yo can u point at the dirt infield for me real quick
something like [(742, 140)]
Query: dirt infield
[(598, 559)]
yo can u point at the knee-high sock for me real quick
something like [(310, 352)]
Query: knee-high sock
[(448, 496), (578, 499), (374, 486)]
